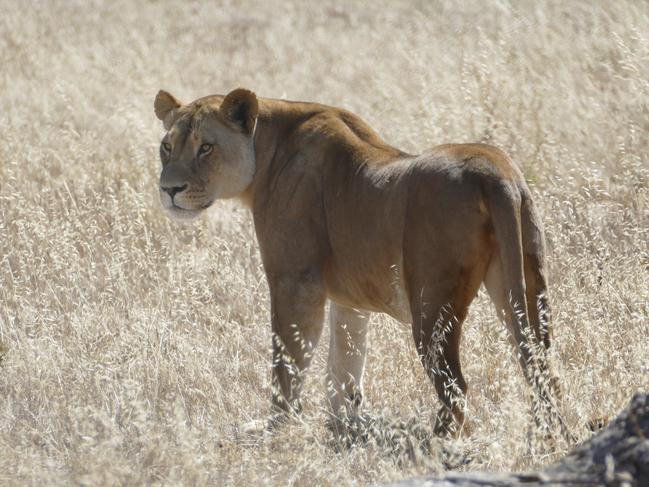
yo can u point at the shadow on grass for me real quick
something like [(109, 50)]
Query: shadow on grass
[(408, 441)]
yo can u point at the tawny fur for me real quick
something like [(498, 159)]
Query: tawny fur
[(341, 215)]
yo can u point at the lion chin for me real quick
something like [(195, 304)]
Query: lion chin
[(178, 213), (182, 215)]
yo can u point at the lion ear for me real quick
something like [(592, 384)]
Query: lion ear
[(240, 108), (166, 107)]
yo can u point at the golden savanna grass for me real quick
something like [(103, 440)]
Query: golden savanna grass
[(132, 348)]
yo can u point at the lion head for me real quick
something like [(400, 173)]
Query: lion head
[(208, 151)]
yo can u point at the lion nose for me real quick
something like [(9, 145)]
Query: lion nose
[(173, 191)]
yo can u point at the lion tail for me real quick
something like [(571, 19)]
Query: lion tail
[(519, 237), (505, 204), (535, 272)]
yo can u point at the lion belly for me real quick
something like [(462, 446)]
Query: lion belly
[(365, 218), (399, 306), (378, 288)]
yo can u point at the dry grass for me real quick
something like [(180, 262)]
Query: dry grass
[(131, 348)]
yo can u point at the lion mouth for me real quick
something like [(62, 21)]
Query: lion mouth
[(178, 212)]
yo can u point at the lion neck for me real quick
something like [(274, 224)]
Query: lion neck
[(276, 123)]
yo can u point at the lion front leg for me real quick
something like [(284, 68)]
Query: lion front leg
[(297, 308), (347, 351)]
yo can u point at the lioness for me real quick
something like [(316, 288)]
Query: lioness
[(341, 215)]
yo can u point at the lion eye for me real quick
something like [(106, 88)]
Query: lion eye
[(166, 147), (204, 149)]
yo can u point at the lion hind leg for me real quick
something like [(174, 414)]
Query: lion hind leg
[(438, 313), (437, 338)]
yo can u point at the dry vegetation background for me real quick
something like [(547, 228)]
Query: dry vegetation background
[(133, 348)]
